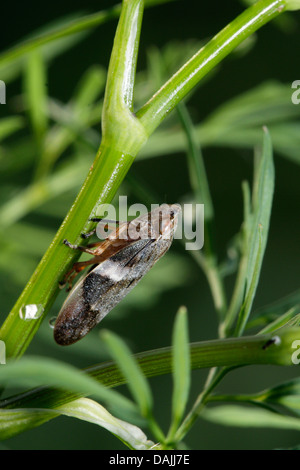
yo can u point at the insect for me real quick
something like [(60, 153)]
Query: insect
[(121, 261)]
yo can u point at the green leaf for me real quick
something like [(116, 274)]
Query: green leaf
[(50, 39), (15, 421), (253, 238), (237, 124), (228, 352), (199, 185), (257, 226), (251, 288), (90, 86), (33, 371), (290, 318), (10, 125), (181, 369), (293, 4), (91, 411), (276, 311), (262, 197), (207, 58), (244, 417), (56, 37), (36, 93), (18, 420), (137, 382), (197, 172), (265, 104), (33, 196), (286, 394)]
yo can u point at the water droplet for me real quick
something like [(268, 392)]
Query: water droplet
[(52, 322), (31, 312)]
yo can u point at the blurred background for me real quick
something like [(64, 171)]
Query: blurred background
[(44, 161)]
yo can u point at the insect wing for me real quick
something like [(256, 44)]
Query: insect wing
[(95, 295)]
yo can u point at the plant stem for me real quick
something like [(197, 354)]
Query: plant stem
[(225, 353), (233, 352), (284, 339), (199, 404), (106, 174), (181, 83)]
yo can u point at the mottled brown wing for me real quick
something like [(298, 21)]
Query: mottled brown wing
[(96, 294)]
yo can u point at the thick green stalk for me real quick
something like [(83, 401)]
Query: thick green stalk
[(119, 124), (101, 184)]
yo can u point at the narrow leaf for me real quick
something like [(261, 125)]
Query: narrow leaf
[(10, 125), (290, 318), (258, 226), (89, 410), (137, 382), (90, 87), (13, 422), (286, 394), (36, 93), (33, 371), (243, 417), (181, 369), (276, 310)]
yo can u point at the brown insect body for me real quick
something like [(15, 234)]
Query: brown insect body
[(122, 264)]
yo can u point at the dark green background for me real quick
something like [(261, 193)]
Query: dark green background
[(274, 56)]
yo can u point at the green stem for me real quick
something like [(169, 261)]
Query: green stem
[(180, 84), (199, 404), (101, 184), (267, 349), (283, 340), (119, 124), (225, 353)]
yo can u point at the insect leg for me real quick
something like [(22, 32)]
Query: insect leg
[(85, 249), (91, 245), (106, 221), (98, 219), (79, 266), (76, 268), (88, 234)]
